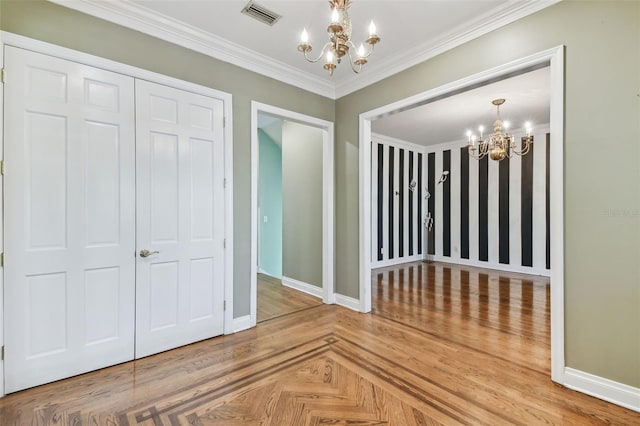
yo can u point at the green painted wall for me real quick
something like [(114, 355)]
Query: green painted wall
[(602, 163), (65, 27), (602, 119), (302, 203), (270, 205)]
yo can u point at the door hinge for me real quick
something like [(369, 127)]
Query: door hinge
[(224, 243), (2, 167), (224, 182), (2, 75), (224, 121), (2, 354), (224, 306), (2, 260)]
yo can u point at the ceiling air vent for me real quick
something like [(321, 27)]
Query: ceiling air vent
[(261, 13)]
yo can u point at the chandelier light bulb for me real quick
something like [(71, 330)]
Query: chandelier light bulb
[(506, 125), (481, 129), (372, 29), (527, 127), (334, 16), (468, 135), (304, 38), (361, 51), (329, 57)]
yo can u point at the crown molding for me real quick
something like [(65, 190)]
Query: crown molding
[(480, 26), (144, 20), (160, 26)]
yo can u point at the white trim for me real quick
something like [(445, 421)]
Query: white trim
[(484, 24), (307, 288), (380, 138), (601, 388), (166, 28), (364, 211), (348, 302), (1, 214), (241, 324), (556, 218), (495, 265), (555, 58), (397, 261), (328, 233)]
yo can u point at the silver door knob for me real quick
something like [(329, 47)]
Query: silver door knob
[(147, 253)]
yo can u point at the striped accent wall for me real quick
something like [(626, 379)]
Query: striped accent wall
[(491, 214), (397, 210), (483, 213)]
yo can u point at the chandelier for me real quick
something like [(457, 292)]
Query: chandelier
[(340, 44), (498, 145)]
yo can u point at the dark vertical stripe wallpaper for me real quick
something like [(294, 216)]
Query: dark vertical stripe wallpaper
[(380, 199), (483, 209), (397, 227), (503, 211), (547, 209), (461, 234), (401, 189), (526, 209), (419, 224), (392, 197), (431, 187), (410, 220), (446, 205), (464, 203)]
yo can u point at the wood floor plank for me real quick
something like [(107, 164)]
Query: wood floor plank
[(275, 299), (443, 345)]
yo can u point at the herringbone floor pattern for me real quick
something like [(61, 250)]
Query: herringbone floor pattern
[(443, 345)]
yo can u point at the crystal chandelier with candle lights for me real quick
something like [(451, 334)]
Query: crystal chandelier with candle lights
[(340, 44), (498, 145)]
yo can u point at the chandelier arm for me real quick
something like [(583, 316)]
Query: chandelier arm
[(525, 146), (322, 52), (371, 47), (472, 152), (352, 62)]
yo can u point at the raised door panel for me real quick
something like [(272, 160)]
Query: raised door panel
[(69, 219), (180, 216)]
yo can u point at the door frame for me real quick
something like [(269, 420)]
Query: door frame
[(328, 294), (554, 57), (11, 39)]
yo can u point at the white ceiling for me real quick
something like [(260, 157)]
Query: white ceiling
[(448, 119), (410, 31)]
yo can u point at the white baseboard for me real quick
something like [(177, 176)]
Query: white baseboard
[(348, 302), (302, 286), (601, 388), (269, 274), (398, 261), (490, 265), (241, 323)]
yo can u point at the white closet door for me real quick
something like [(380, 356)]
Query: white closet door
[(69, 219), (180, 214)]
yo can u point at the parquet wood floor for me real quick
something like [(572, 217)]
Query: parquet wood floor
[(275, 299), (443, 345)]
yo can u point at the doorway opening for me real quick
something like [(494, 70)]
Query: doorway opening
[(554, 59), (291, 212)]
